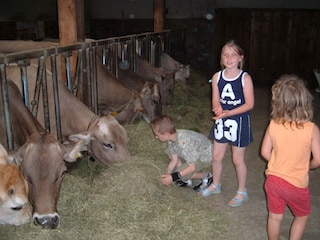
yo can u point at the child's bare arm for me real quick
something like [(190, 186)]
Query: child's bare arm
[(188, 170), (173, 163), (315, 148), (216, 106), (266, 147)]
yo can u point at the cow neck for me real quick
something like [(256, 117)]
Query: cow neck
[(91, 121), (125, 108), (133, 95)]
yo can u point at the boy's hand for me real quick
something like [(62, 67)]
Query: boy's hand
[(166, 179)]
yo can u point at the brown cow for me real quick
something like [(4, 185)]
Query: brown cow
[(168, 63), (152, 73), (106, 139), (149, 92), (116, 98), (41, 158), (126, 102), (14, 204), (113, 97)]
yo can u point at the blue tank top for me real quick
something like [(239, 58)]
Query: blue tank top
[(231, 92)]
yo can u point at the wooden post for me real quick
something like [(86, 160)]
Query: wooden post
[(71, 27), (158, 8)]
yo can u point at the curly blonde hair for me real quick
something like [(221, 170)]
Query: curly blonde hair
[(291, 101)]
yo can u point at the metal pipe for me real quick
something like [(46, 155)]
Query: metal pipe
[(94, 81), (6, 107), (56, 97), (24, 81)]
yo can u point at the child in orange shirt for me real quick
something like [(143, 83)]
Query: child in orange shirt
[(289, 140)]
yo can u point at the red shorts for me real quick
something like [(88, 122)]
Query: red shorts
[(281, 193)]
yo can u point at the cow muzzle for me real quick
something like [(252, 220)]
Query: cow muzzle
[(47, 221)]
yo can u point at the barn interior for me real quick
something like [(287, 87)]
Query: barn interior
[(288, 32), (278, 37)]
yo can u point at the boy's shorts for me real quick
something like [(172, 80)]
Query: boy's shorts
[(281, 193)]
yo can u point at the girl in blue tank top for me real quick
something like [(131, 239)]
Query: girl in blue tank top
[(232, 100)]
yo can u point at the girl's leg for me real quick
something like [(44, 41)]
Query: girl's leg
[(219, 150), (273, 226), (297, 228), (241, 167)]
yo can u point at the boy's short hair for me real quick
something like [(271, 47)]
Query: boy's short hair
[(163, 124)]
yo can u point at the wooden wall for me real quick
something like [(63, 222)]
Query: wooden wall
[(275, 41)]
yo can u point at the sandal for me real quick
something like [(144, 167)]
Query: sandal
[(207, 192), (236, 202)]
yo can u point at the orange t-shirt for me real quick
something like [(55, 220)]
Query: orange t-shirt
[(291, 152)]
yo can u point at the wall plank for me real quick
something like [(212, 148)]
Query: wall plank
[(280, 41)]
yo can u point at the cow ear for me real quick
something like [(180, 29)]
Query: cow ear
[(85, 136), (3, 155), (72, 151), (15, 156), (146, 90), (158, 78)]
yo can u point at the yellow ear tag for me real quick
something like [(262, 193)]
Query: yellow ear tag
[(114, 114), (78, 155)]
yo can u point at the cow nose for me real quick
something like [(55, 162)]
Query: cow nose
[(48, 221)]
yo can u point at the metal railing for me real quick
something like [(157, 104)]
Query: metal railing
[(83, 83)]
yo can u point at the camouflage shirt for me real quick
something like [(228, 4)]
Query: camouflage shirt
[(191, 146)]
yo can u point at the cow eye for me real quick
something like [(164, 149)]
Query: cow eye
[(10, 191), (17, 208), (155, 102), (108, 145)]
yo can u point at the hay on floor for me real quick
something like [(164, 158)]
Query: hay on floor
[(127, 200)]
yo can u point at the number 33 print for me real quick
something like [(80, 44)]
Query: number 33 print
[(227, 129)]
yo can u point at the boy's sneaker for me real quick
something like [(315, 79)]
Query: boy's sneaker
[(205, 182), (184, 183)]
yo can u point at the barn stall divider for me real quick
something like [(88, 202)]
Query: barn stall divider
[(114, 52)]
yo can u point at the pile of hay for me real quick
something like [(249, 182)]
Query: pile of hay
[(127, 200)]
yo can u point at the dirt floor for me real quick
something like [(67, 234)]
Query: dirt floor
[(97, 203), (249, 220)]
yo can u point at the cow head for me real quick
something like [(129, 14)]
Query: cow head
[(14, 204), (167, 89), (168, 63), (151, 101), (107, 140), (183, 72), (127, 113), (42, 164)]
